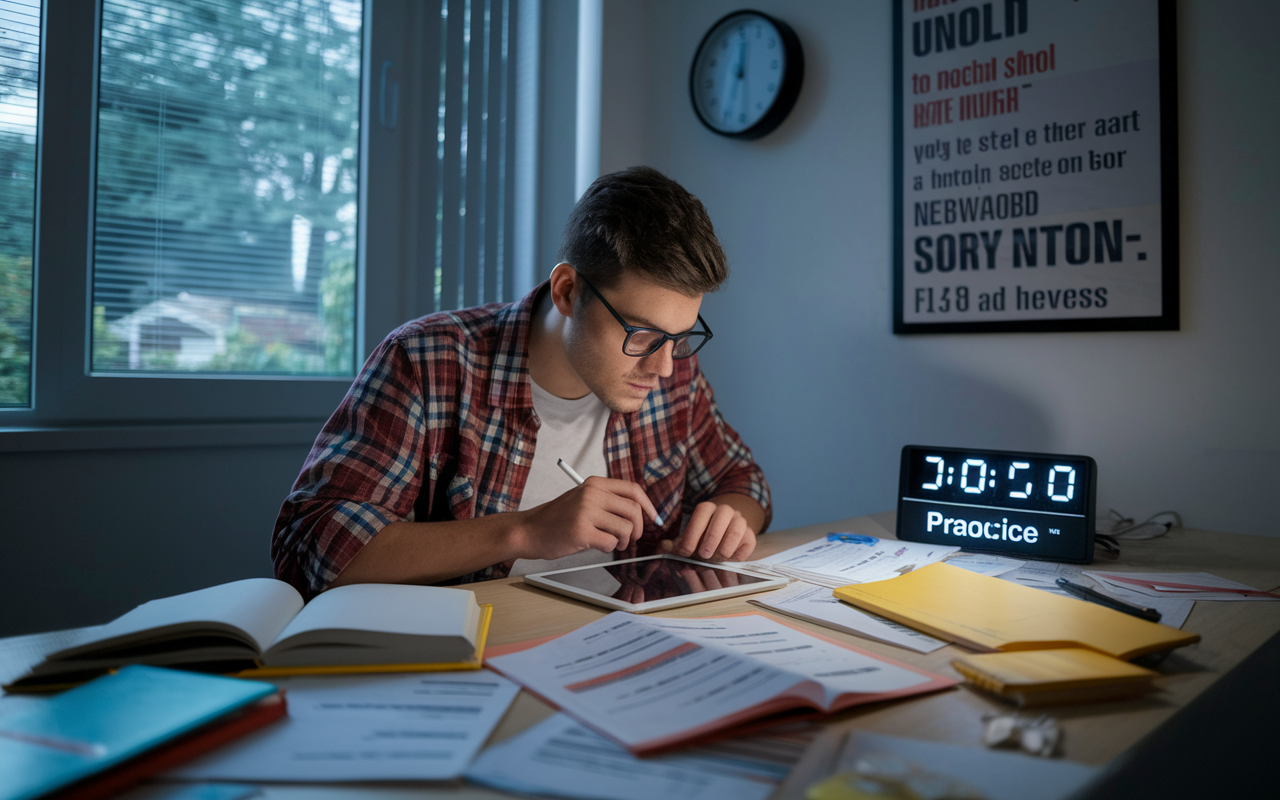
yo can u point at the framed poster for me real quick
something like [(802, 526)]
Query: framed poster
[(1035, 166)]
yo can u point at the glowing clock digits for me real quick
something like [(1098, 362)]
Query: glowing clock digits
[(1061, 469), (937, 482), (1013, 470), (982, 476)]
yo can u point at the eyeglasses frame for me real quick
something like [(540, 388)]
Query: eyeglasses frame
[(633, 329)]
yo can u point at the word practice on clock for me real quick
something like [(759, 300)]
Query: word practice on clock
[(1025, 505)]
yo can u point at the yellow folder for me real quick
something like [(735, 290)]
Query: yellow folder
[(986, 613), (1054, 677)]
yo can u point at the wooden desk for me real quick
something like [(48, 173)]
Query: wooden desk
[(1094, 734)]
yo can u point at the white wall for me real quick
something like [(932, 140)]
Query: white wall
[(804, 362)]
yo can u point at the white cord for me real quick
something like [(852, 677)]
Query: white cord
[(1123, 527)]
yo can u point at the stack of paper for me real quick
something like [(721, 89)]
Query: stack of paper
[(1055, 676), (845, 558), (652, 684), (563, 758), (368, 728), (818, 604), (1180, 586), (984, 563), (1042, 575)]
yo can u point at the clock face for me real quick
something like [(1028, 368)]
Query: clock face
[(746, 75), (1025, 505)]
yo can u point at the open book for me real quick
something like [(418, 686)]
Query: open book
[(260, 627), (651, 684)]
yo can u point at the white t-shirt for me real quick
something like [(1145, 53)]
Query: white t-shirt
[(573, 430)]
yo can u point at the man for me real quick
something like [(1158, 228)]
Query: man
[(440, 465)]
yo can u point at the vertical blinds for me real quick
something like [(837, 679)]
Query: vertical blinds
[(226, 187), (471, 175), (19, 96)]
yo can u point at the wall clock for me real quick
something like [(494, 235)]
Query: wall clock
[(746, 75)]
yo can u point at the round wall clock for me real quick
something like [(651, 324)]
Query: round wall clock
[(746, 75)]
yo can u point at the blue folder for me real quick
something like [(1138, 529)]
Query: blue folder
[(109, 720)]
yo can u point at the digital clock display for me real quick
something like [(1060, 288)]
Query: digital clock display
[(1024, 505)]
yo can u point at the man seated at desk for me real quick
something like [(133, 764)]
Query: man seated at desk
[(440, 464)]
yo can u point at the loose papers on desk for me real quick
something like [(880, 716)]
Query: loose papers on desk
[(1180, 585), (563, 758), (845, 558), (651, 683), (984, 563), (1043, 574), (375, 728), (817, 604)]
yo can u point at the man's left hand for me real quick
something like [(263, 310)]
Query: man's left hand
[(716, 532)]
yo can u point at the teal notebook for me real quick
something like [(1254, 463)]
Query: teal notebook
[(108, 721)]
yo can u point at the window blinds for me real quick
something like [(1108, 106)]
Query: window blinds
[(226, 186)]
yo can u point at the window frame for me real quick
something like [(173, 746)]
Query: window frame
[(73, 407)]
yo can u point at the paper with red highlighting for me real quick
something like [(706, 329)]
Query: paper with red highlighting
[(651, 683)]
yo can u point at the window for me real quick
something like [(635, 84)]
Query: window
[(245, 198), (19, 95), (225, 208)]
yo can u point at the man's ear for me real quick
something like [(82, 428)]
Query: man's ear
[(564, 288)]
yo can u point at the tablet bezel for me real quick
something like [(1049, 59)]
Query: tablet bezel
[(765, 583)]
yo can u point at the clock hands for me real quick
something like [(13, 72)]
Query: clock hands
[(737, 77)]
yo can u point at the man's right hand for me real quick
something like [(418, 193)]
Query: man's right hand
[(602, 514)]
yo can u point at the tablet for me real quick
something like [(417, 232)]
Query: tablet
[(652, 583)]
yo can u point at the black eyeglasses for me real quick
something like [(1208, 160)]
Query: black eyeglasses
[(640, 342)]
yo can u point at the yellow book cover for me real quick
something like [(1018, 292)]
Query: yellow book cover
[(989, 614), (1045, 677)]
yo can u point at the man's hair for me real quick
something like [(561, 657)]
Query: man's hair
[(640, 221)]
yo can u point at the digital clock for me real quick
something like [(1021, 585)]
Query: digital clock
[(1023, 505)]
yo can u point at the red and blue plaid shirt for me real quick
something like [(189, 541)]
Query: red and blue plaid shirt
[(440, 425)]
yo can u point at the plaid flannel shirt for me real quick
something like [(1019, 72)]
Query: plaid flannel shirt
[(440, 425)]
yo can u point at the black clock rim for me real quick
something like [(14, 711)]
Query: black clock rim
[(788, 92), (1088, 485)]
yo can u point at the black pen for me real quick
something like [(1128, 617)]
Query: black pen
[(1085, 593)]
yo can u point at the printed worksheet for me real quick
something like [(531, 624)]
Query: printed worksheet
[(844, 558), (1043, 575), (563, 758), (421, 726), (650, 682), (818, 604)]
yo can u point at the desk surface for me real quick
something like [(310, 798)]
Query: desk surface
[(1094, 734)]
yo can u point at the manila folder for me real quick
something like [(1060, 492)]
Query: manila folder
[(987, 614)]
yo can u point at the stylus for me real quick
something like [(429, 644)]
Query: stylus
[(578, 479), (1085, 593)]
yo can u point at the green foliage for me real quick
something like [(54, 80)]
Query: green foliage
[(216, 117), (17, 203), (338, 298), (110, 352), (226, 114), (15, 330)]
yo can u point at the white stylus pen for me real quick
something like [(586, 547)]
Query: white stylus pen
[(578, 479)]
